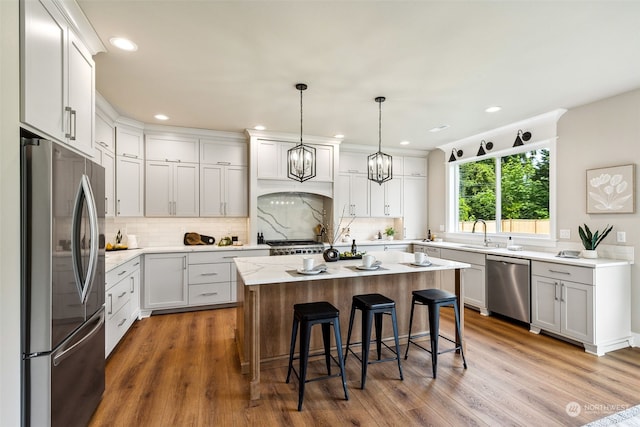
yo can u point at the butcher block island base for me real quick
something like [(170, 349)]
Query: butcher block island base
[(268, 288)]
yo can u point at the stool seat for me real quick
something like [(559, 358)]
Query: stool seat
[(314, 310), (373, 306), (433, 296), (434, 299), (372, 301), (305, 316)]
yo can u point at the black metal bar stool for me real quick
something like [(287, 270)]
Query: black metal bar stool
[(373, 305), (434, 299), (307, 315)]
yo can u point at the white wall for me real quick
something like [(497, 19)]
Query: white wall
[(9, 216), (599, 134)]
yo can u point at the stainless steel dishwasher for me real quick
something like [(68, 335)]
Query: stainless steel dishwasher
[(508, 287)]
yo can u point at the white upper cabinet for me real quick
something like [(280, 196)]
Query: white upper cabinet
[(58, 77), (171, 149), (129, 171), (105, 134), (223, 191), (171, 189), (217, 153), (386, 199), (272, 160), (353, 162), (414, 166)]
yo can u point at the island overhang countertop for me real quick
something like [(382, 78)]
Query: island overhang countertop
[(281, 269)]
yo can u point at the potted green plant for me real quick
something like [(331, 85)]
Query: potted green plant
[(389, 231), (590, 240)]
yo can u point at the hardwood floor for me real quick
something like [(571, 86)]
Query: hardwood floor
[(182, 370)]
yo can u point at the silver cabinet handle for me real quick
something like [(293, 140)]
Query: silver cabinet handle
[(110, 296), (122, 323), (106, 204), (118, 206), (208, 294), (68, 110), (131, 156), (172, 161), (133, 285), (122, 272), (555, 294), (559, 272), (208, 274), (122, 294), (75, 120), (104, 144), (224, 163)]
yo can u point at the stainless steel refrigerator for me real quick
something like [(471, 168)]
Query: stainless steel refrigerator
[(63, 279)]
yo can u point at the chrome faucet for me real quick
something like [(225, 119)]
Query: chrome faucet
[(473, 230)]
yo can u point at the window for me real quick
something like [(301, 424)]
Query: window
[(511, 192)]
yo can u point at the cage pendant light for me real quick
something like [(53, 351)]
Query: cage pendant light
[(380, 165), (301, 159)]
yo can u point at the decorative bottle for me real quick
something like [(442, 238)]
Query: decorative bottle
[(354, 248)]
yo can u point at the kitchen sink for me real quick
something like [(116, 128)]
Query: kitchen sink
[(476, 247)]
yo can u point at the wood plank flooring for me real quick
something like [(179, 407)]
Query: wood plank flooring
[(183, 370)]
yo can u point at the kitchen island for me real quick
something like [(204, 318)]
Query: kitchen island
[(269, 286)]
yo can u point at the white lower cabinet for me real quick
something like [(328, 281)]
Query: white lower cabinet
[(122, 298), (432, 252), (585, 304), (183, 280), (473, 278), (165, 281)]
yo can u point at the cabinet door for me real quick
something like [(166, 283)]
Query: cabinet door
[(415, 166), (129, 142), (577, 314), (134, 291), (166, 149), (353, 162), (474, 286), (269, 160), (324, 163), (129, 186), (108, 161), (415, 207), (211, 185), (104, 135), (213, 153), (186, 191), (43, 68), (359, 195), (165, 281), (342, 203), (81, 92), (159, 189), (545, 303), (378, 206), (393, 197), (237, 191)]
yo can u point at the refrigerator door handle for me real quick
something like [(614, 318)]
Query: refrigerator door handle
[(63, 352), (85, 192)]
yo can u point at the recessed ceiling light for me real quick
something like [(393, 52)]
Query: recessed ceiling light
[(493, 109), (338, 135), (439, 128), (259, 127), (405, 142), (124, 44), (161, 117)]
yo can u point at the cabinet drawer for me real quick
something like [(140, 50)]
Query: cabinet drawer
[(120, 272), (117, 296), (463, 256), (430, 251), (116, 326), (563, 272), (210, 293), (209, 273), (214, 256)]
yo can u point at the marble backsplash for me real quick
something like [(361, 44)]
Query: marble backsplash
[(286, 216)]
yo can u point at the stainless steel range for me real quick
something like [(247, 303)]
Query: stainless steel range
[(294, 247)]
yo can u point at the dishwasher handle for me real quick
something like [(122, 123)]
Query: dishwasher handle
[(508, 260)]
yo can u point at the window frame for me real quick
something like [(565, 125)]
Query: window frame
[(452, 194)]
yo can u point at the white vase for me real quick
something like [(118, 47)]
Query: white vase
[(590, 254), (389, 237)]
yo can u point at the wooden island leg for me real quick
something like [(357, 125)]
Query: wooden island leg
[(253, 304)]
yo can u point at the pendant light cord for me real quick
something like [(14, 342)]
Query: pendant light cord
[(380, 125), (300, 116)]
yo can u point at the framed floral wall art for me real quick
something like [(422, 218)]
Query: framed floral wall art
[(611, 190)]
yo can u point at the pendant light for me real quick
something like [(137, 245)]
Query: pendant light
[(380, 165), (301, 159)]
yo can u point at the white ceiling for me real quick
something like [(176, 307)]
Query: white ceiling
[(230, 65)]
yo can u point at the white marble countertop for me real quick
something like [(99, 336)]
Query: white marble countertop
[(116, 258), (527, 254), (277, 269)]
